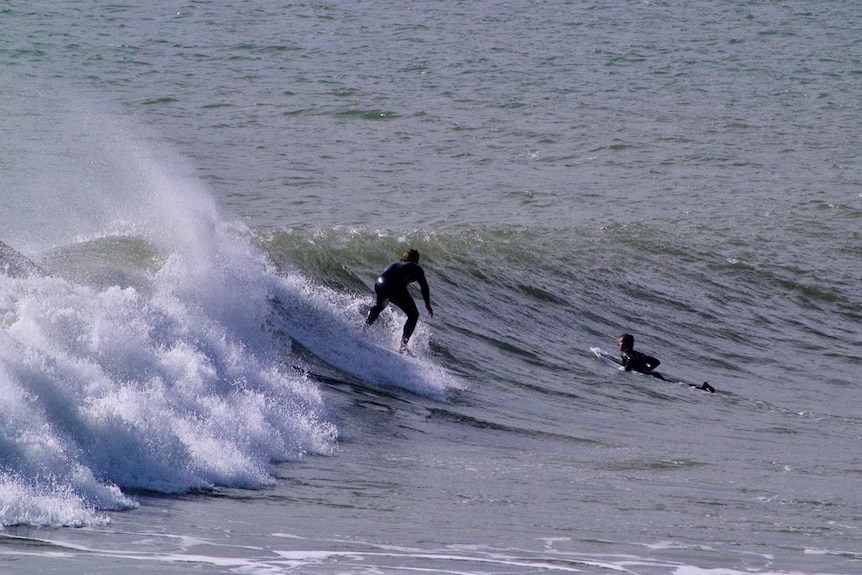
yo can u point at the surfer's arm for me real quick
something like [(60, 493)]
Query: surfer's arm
[(419, 277), (426, 292), (626, 362)]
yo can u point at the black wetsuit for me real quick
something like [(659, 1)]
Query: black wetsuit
[(642, 363), (392, 286)]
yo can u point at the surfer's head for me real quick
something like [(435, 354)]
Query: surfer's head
[(410, 255), (626, 342)]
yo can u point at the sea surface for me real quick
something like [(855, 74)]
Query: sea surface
[(208, 190)]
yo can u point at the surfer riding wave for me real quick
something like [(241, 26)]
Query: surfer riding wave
[(392, 286)]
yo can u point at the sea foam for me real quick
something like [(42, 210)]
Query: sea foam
[(171, 389), (168, 383)]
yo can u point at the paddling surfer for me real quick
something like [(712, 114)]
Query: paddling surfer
[(632, 360)]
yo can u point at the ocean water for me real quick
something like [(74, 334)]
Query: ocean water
[(208, 190)]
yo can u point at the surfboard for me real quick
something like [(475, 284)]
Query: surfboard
[(607, 358), (615, 362)]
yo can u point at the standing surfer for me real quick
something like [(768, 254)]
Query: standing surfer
[(392, 286)]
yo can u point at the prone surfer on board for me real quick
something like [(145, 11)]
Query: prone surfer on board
[(392, 286), (632, 360)]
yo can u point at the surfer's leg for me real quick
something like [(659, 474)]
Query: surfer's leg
[(374, 312), (408, 306), (409, 327), (379, 306), (658, 375)]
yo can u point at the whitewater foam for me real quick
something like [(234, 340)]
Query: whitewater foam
[(167, 382), (169, 391)]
